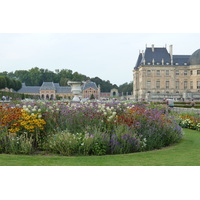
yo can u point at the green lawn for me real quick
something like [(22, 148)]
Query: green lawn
[(186, 153)]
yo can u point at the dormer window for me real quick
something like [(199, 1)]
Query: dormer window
[(167, 63), (176, 63), (185, 63), (149, 63), (158, 63)]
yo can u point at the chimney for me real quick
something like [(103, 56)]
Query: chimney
[(152, 47), (143, 59), (162, 61), (171, 53), (153, 61)]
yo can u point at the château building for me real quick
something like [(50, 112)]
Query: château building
[(50, 90), (159, 74)]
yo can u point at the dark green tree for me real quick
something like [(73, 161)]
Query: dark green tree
[(92, 97), (2, 82)]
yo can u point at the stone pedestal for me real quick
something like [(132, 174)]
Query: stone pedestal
[(76, 89)]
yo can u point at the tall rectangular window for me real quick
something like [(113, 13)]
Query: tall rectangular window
[(177, 72), (191, 84), (185, 84), (177, 84), (185, 72), (167, 84), (157, 84), (148, 72), (167, 72), (198, 72), (158, 72), (191, 72), (198, 84), (148, 84)]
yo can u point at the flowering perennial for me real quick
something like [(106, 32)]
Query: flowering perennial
[(87, 128)]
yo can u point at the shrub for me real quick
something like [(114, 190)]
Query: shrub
[(157, 128), (66, 143), (189, 120), (125, 140), (16, 144)]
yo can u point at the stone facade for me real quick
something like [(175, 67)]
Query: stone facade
[(90, 88), (50, 90), (159, 74)]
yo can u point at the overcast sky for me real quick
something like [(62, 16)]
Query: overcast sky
[(110, 56)]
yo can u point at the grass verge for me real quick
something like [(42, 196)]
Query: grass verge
[(185, 153)]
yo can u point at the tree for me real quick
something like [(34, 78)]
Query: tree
[(63, 81), (2, 82), (126, 87), (92, 97), (35, 76), (17, 85)]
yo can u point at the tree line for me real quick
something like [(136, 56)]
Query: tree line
[(36, 76), (10, 83)]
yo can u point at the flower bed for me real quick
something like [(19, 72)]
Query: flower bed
[(191, 121), (85, 128)]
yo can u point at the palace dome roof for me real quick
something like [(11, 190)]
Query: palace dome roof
[(195, 58)]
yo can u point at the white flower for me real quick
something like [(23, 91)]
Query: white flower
[(39, 110), (39, 116), (114, 113), (29, 106)]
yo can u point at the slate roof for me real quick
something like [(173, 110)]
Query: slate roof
[(45, 86), (63, 90), (181, 59), (195, 58), (29, 89), (158, 54), (89, 85), (48, 86), (139, 60)]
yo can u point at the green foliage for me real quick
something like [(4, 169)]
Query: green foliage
[(16, 144), (68, 144), (6, 82), (92, 97), (185, 153), (15, 96), (126, 87), (106, 86), (2, 82), (36, 76)]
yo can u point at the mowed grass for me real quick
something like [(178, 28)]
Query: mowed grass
[(185, 153)]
